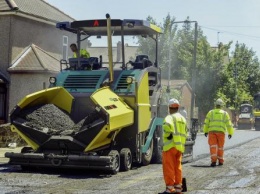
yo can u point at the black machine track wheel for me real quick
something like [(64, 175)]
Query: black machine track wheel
[(147, 156), (157, 146), (26, 150), (125, 159), (116, 161)]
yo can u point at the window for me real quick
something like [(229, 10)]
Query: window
[(65, 47)]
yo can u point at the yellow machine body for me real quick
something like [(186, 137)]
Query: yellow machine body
[(143, 104), (119, 115), (57, 96)]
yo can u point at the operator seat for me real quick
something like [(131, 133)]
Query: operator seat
[(141, 62), (139, 58), (90, 63), (73, 62), (93, 61)]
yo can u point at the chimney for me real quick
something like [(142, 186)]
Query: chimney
[(12, 4), (119, 51)]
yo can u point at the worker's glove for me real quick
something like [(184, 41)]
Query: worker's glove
[(169, 137), (206, 134), (229, 136)]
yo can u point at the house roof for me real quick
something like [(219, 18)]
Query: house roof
[(176, 84), (97, 51), (35, 59), (130, 52), (36, 8), (4, 6)]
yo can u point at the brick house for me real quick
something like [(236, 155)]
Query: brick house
[(185, 94), (31, 47)]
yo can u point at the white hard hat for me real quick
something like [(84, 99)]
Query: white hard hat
[(174, 103), (219, 102)]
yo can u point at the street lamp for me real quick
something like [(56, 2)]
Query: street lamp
[(236, 74), (193, 75)]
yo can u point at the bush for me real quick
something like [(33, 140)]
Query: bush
[(7, 136)]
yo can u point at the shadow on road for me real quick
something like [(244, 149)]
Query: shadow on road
[(62, 173), (201, 166)]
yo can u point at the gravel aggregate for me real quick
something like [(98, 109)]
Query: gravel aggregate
[(49, 119)]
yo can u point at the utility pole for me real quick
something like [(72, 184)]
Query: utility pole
[(218, 39), (236, 85), (168, 90), (193, 77)]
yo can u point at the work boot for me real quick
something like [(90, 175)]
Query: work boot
[(213, 164), (168, 190), (178, 188), (165, 192)]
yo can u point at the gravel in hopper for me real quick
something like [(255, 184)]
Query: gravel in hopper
[(50, 119)]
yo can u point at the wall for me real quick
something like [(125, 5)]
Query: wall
[(30, 83), (186, 101), (4, 43), (46, 36)]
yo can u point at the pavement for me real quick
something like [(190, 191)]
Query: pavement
[(240, 174), (3, 159)]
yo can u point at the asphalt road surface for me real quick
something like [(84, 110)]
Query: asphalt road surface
[(240, 174), (201, 148)]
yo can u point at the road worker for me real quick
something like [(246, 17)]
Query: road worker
[(174, 138), (216, 123), (83, 52), (183, 112)]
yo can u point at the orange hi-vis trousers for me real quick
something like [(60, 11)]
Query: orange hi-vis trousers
[(172, 168), (216, 143)]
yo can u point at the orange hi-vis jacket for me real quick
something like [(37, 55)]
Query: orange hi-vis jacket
[(218, 120)]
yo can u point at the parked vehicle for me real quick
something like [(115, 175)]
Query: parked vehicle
[(245, 117)]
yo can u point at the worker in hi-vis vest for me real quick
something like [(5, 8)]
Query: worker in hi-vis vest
[(174, 138), (83, 52), (216, 123)]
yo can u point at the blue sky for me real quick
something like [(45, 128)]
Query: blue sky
[(220, 20)]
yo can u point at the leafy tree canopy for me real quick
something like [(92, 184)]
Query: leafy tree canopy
[(234, 76)]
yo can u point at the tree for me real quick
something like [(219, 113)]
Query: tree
[(177, 46), (147, 46), (215, 75), (241, 76)]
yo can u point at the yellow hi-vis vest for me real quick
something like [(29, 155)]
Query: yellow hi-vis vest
[(83, 53), (174, 124), (218, 120)]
